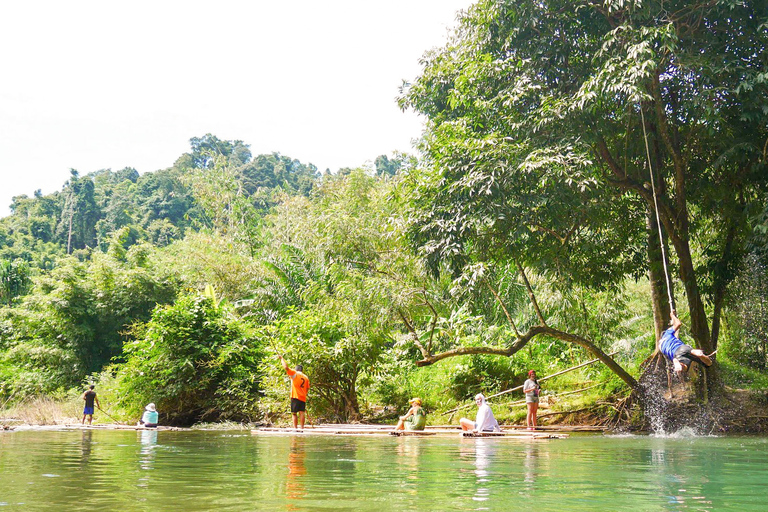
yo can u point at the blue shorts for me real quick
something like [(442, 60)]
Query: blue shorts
[(87, 411)]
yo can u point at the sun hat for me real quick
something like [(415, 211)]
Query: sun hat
[(150, 407), (415, 400)]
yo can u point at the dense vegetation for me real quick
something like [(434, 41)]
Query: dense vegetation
[(523, 236)]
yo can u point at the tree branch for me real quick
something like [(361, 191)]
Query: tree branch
[(531, 294), (528, 336), (503, 307), (408, 325)]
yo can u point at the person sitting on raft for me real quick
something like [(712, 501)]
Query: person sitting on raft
[(415, 418), (484, 422), (149, 418), (679, 353)]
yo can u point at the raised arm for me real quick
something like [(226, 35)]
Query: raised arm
[(675, 322)]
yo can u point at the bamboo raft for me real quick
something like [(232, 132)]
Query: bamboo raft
[(102, 426), (387, 430)]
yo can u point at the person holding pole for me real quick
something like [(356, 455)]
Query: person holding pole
[(531, 388), (90, 397), (299, 389)]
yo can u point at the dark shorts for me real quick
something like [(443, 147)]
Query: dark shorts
[(298, 405), (87, 411), (684, 355)]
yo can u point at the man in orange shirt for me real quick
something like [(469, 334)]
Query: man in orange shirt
[(299, 388)]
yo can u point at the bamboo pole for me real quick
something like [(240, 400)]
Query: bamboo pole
[(521, 387)]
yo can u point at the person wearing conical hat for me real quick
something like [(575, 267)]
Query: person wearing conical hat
[(415, 418)]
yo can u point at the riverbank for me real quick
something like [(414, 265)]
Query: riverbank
[(734, 411)]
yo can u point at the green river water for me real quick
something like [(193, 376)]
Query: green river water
[(235, 470)]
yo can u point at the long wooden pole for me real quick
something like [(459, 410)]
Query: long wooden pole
[(521, 387)]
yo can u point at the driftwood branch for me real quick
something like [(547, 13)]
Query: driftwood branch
[(565, 412), (528, 336), (517, 388)]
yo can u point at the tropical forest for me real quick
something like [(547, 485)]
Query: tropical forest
[(586, 170)]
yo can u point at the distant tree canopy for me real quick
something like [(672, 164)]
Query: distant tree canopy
[(157, 207)]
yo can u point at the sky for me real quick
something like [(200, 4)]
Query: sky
[(92, 85)]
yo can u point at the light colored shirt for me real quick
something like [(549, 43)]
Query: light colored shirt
[(485, 421), (533, 394), (149, 417)]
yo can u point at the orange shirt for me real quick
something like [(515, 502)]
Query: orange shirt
[(299, 384)]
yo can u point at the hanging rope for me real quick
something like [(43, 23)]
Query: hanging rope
[(656, 209)]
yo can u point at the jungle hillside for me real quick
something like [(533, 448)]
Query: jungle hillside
[(585, 169)]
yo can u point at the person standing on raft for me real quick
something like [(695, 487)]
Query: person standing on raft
[(679, 353), (532, 389), (484, 422), (90, 397), (415, 418), (299, 389)]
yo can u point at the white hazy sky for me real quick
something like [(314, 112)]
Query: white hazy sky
[(95, 85)]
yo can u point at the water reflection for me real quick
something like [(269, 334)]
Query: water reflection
[(209, 471), (297, 470), (682, 476), (85, 447), (484, 450), (148, 442), (408, 453), (530, 463)]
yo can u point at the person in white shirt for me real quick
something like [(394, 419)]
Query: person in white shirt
[(532, 389), (484, 422)]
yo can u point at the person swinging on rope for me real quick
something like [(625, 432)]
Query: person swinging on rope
[(679, 353)]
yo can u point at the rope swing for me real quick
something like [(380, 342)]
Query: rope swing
[(656, 209)]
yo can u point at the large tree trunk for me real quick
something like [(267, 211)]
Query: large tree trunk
[(698, 315)]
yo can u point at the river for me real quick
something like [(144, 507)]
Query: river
[(235, 470)]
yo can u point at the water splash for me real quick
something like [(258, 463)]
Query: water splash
[(687, 432)]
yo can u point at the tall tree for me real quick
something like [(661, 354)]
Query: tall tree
[(79, 214), (584, 102)]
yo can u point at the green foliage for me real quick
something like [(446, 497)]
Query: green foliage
[(74, 320), (196, 361), (334, 357), (14, 280), (743, 376), (205, 258), (747, 342), (218, 184)]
